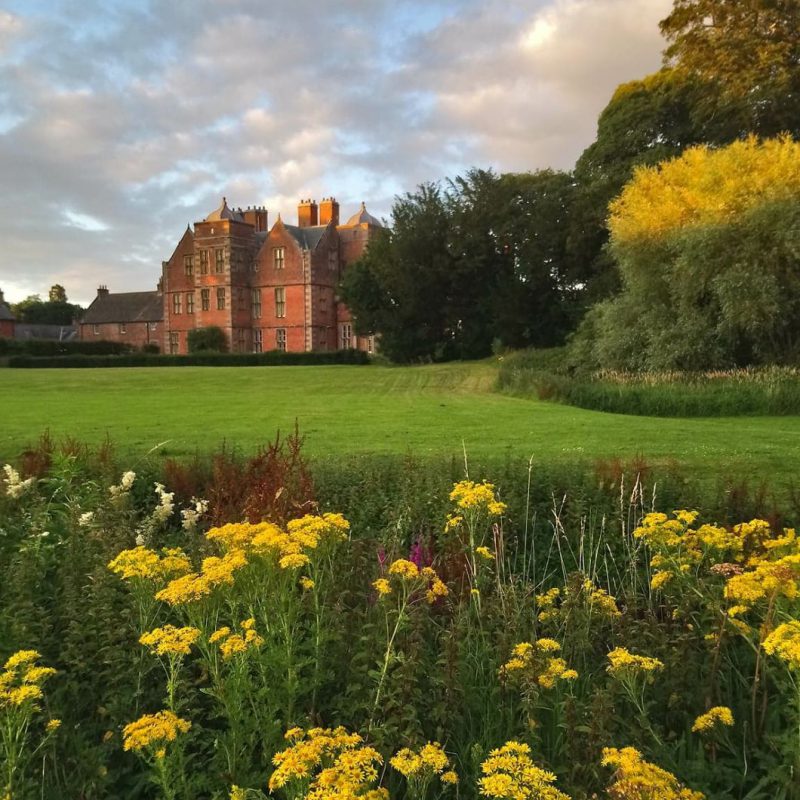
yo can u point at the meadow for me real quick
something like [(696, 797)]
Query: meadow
[(433, 410)]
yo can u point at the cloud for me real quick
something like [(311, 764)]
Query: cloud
[(117, 130)]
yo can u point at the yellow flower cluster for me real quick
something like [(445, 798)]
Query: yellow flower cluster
[(719, 715), (768, 579), (409, 573), (154, 730), (485, 553), (232, 644), (510, 774), (624, 664), (21, 680), (534, 662), (144, 564), (194, 586), (784, 642), (556, 606), (637, 779), (346, 767), (468, 495), (420, 766), (169, 640)]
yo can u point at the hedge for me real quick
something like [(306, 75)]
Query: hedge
[(274, 358), (48, 347)]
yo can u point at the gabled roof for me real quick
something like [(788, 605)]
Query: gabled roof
[(363, 217), (55, 333), (307, 238), (125, 307)]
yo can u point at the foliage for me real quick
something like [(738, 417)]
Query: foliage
[(770, 391), (748, 51), (214, 658), (202, 358), (56, 310), (706, 245), (484, 259), (211, 339), (46, 347)]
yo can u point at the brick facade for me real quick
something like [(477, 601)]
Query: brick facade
[(266, 288), (7, 321)]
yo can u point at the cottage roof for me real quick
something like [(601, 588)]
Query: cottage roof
[(55, 333), (125, 307), (363, 217), (223, 212), (308, 238)]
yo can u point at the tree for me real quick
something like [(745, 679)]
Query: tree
[(57, 294), (707, 246), (207, 339), (483, 261), (33, 310), (748, 49)]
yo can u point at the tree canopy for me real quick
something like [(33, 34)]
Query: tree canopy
[(56, 310), (707, 246), (482, 261)]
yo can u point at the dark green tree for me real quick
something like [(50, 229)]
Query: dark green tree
[(35, 311), (207, 339)]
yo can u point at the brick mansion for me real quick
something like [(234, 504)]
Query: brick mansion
[(266, 288)]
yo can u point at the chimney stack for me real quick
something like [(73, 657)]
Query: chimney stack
[(257, 217), (2, 298), (102, 290), (328, 211), (307, 214)]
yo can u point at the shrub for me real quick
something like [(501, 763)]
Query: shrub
[(210, 339)]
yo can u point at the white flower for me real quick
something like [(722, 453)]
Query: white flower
[(85, 519), (15, 486), (140, 540), (124, 487), (192, 515), (165, 507)]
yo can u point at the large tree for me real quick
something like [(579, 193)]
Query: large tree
[(707, 246), (478, 263), (56, 310), (749, 50)]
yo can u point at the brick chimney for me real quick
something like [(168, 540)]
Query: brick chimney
[(257, 217), (307, 213), (102, 290), (328, 210)]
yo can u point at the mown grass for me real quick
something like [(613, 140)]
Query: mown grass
[(427, 410)]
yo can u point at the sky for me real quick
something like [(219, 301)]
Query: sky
[(122, 121)]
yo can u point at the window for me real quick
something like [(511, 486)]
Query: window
[(96, 330), (241, 339), (333, 260), (219, 263), (190, 302), (220, 299), (153, 326), (278, 256), (188, 265), (280, 338), (370, 344), (257, 304), (346, 336), (204, 262), (176, 303), (123, 328), (258, 340), (174, 342), (205, 301), (280, 302)]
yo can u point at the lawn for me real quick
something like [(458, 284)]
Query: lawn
[(376, 409)]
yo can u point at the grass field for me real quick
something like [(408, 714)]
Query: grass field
[(340, 409)]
